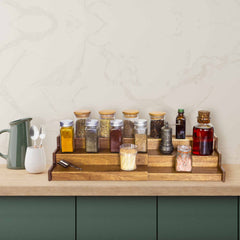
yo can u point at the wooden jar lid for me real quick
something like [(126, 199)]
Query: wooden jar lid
[(130, 112), (82, 113), (107, 112), (157, 114)]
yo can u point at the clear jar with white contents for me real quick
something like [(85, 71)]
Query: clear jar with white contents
[(140, 134), (128, 155)]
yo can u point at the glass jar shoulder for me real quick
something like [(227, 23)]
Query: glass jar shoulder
[(204, 126)]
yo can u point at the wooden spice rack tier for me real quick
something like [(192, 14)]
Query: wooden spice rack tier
[(151, 166)]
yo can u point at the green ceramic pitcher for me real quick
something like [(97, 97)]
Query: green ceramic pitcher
[(19, 140)]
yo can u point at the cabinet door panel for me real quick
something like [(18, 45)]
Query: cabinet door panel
[(37, 218), (116, 218), (197, 218)]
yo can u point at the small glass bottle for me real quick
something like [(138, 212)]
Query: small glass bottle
[(129, 117), (91, 136), (184, 159), (203, 134), (66, 133), (105, 117), (156, 124), (180, 125), (140, 134), (116, 135), (81, 117)]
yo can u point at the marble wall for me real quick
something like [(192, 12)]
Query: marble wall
[(57, 56)]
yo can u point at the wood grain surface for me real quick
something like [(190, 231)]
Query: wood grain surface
[(22, 183)]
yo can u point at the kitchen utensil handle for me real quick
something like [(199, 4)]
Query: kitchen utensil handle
[(3, 131)]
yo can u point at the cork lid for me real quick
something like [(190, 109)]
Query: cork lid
[(203, 116), (130, 112), (107, 112), (157, 115), (82, 113)]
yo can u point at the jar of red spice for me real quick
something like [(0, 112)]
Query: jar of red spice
[(115, 135)]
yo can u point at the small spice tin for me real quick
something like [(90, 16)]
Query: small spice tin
[(81, 117), (156, 123), (129, 117), (184, 159), (91, 139), (105, 117), (140, 134), (66, 133)]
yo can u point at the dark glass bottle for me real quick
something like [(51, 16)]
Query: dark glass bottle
[(180, 125), (203, 134)]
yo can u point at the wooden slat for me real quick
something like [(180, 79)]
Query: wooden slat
[(198, 174), (156, 159), (104, 157), (99, 173)]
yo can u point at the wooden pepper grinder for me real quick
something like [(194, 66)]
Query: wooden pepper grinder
[(166, 146)]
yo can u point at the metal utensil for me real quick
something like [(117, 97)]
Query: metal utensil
[(67, 164), (34, 134), (42, 135)]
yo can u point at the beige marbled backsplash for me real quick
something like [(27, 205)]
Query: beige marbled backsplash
[(57, 56)]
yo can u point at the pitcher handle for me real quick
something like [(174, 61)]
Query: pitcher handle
[(3, 131)]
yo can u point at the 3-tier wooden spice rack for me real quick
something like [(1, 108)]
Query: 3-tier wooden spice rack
[(151, 166)]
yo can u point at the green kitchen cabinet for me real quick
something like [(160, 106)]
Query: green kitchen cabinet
[(37, 218), (198, 218), (116, 218)]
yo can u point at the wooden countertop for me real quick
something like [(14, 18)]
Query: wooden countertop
[(21, 183)]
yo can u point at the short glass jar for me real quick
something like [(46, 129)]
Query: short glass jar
[(183, 159), (128, 155), (67, 135), (129, 117), (156, 123), (115, 135), (91, 136), (105, 117), (80, 119), (140, 134)]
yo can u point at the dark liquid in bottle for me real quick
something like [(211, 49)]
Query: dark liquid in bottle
[(203, 141), (180, 128), (115, 140)]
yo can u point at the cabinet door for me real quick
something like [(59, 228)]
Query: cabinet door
[(116, 218), (37, 218), (197, 218)]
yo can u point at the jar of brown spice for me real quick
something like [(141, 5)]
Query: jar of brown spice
[(157, 122), (80, 119), (129, 117), (140, 134), (105, 117)]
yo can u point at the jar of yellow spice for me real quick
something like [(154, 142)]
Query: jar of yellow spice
[(67, 134), (105, 117)]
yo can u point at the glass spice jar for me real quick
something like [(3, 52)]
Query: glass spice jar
[(129, 116), (105, 117), (156, 124), (115, 135), (91, 136), (140, 134), (128, 154), (183, 159), (81, 117), (66, 134), (203, 134)]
